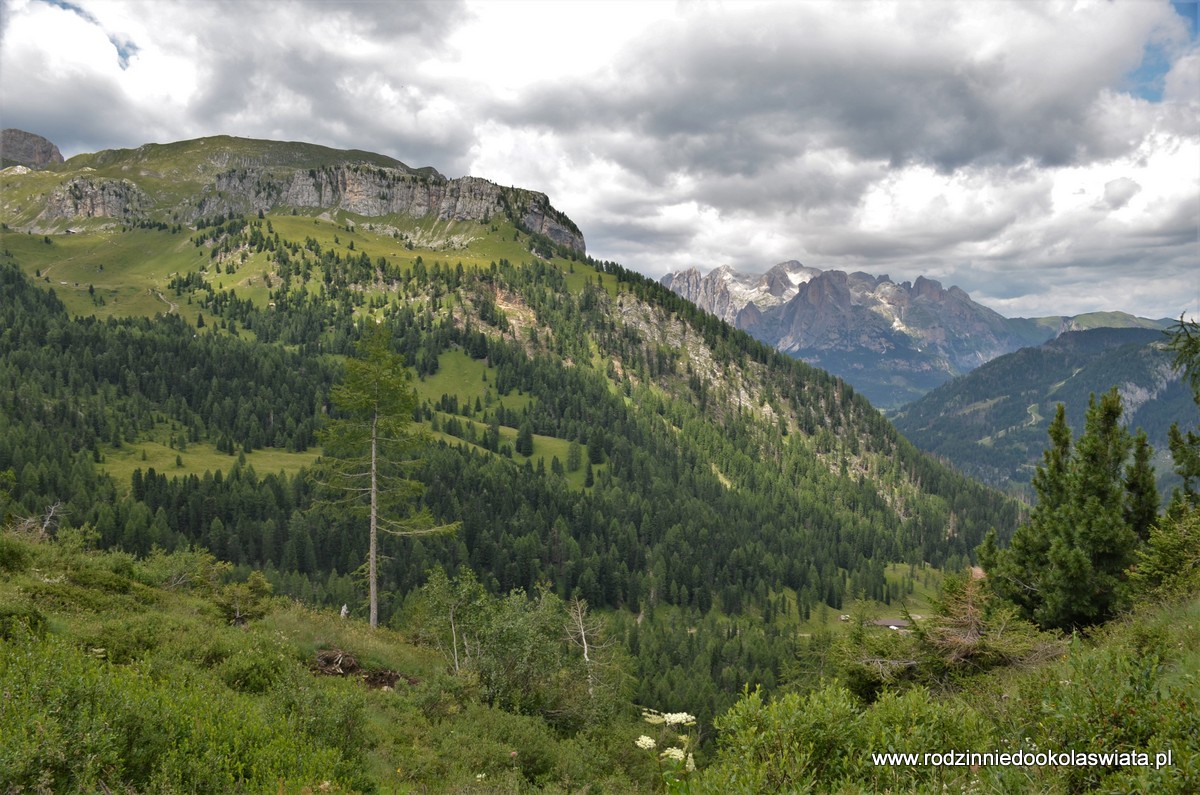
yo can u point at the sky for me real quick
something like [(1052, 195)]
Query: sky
[(1042, 156)]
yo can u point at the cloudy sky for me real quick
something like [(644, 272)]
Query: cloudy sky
[(1044, 156)]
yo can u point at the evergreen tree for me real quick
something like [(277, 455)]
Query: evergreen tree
[(371, 445), (1185, 447), (1066, 567), (1141, 494), (1169, 563), (524, 444)]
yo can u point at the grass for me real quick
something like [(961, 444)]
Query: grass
[(127, 270), (460, 375), (544, 447), (198, 458), (926, 584), (107, 272)]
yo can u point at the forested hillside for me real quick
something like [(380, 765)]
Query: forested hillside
[(653, 511), (991, 424), (591, 430)]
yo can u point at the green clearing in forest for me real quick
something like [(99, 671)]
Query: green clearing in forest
[(197, 458)]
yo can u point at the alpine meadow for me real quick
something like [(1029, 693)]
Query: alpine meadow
[(324, 473)]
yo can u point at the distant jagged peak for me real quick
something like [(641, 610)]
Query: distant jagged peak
[(795, 272), (725, 291)]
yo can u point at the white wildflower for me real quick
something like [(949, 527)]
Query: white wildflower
[(673, 753), (670, 718), (644, 742), (691, 764)]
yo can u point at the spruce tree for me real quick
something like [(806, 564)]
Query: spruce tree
[(1066, 567), (1185, 446), (1141, 493), (524, 443)]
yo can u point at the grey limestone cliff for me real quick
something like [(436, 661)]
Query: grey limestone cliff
[(183, 182), (96, 197), (18, 147)]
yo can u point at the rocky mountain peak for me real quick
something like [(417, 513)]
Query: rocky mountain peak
[(18, 147), (928, 288), (892, 341)]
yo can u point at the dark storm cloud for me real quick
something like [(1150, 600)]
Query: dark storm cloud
[(54, 110), (745, 96), (306, 81)]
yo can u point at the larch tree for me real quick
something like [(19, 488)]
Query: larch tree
[(370, 447)]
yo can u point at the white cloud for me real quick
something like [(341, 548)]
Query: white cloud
[(996, 145)]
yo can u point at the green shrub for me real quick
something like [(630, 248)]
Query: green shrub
[(73, 723), (257, 668), (129, 637), (100, 579), (15, 618), (14, 555), (1110, 699)]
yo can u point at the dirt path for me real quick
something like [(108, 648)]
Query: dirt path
[(174, 307)]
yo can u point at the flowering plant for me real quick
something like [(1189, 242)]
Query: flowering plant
[(675, 762)]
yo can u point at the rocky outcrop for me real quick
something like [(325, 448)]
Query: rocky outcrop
[(211, 177), (18, 147), (374, 192), (92, 197)]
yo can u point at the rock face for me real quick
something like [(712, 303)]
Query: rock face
[(892, 342), (91, 197), (372, 191), (18, 147), (728, 294), (186, 181)]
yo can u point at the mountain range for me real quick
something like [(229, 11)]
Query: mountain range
[(892, 341), (992, 423), (176, 317)]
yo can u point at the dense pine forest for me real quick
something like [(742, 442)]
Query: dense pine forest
[(651, 514)]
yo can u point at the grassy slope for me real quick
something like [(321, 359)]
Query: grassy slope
[(243, 700), (129, 644)]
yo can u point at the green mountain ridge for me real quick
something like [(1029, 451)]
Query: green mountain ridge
[(597, 432), (992, 422), (662, 521), (186, 182)]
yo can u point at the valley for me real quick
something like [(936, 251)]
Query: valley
[(650, 503), (893, 342)]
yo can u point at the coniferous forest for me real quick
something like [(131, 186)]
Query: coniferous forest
[(663, 548)]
